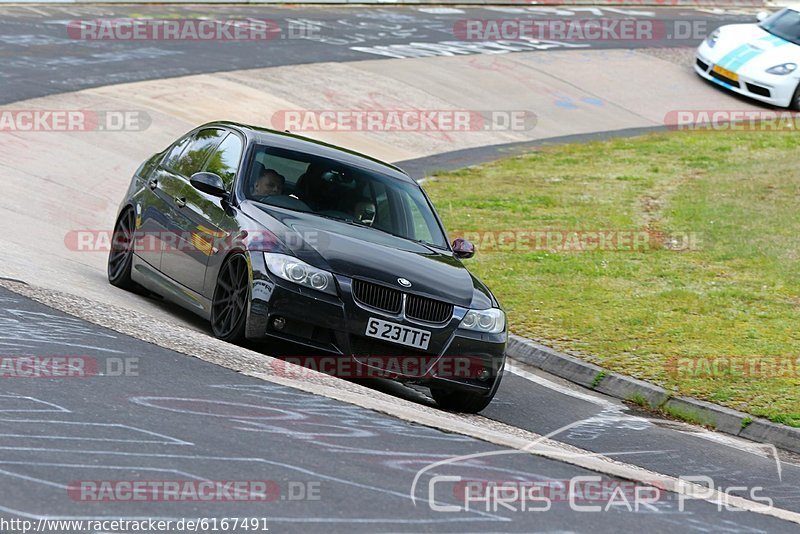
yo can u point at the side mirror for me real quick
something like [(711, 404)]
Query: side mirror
[(463, 248), (762, 15), (209, 183)]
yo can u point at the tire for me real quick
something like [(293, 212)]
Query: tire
[(795, 103), (458, 401), (120, 258), (231, 295)]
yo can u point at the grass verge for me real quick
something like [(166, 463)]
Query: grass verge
[(696, 283)]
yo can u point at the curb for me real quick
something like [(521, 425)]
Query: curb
[(722, 419)]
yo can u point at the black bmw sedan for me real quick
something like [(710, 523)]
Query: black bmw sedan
[(272, 236)]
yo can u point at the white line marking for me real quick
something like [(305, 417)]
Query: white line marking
[(33, 399), (564, 390), (37, 11), (167, 440), (92, 347)]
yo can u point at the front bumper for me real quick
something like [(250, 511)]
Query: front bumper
[(767, 88), (334, 327)]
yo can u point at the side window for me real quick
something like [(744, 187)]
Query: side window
[(195, 155), (225, 160), (175, 153)]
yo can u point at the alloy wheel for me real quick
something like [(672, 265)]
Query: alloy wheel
[(230, 299)]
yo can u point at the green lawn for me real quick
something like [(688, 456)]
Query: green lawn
[(734, 296)]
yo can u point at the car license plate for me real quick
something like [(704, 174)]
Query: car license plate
[(725, 72), (397, 333)]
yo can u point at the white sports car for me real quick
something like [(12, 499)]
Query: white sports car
[(759, 61)]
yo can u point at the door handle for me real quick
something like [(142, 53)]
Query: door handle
[(181, 202), (153, 183)]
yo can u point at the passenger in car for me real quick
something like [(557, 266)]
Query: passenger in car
[(270, 183)]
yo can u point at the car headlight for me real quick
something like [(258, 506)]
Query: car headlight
[(490, 321), (711, 40), (783, 69), (299, 272)]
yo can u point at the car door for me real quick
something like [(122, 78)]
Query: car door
[(184, 256), (154, 209), (211, 217)]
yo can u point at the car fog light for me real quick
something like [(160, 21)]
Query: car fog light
[(278, 323)]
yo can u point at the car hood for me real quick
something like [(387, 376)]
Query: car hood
[(746, 48), (358, 252)]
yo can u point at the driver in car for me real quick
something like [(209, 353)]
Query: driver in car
[(270, 183)]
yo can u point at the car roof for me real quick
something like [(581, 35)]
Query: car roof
[(299, 143)]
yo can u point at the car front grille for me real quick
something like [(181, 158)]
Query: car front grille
[(379, 297), (428, 310), (390, 300)]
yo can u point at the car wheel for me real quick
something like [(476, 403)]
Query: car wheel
[(120, 258), (795, 103), (458, 401), (229, 305)]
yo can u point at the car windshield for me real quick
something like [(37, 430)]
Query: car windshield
[(784, 24), (327, 188)]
